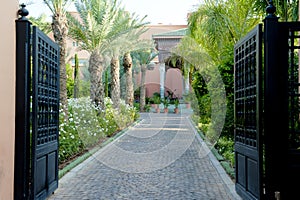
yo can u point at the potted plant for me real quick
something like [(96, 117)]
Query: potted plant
[(176, 104), (157, 101), (166, 104), (147, 107)]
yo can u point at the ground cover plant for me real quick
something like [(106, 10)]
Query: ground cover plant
[(88, 125)]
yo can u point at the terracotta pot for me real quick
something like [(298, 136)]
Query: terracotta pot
[(154, 106), (188, 105)]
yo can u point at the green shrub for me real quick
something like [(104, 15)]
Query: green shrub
[(225, 147), (147, 108), (88, 124)]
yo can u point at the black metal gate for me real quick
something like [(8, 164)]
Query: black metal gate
[(282, 113), (37, 112), (267, 111), (247, 73)]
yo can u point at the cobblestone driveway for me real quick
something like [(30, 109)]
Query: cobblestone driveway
[(159, 158)]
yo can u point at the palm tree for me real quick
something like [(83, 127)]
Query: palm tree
[(135, 44), (115, 80), (176, 61), (95, 30), (214, 29), (60, 32), (128, 40), (144, 58), (41, 22), (287, 10), (218, 25), (127, 63)]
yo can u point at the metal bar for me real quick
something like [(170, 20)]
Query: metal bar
[(275, 105), (22, 119), (259, 108)]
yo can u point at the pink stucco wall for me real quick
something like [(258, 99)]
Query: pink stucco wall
[(173, 81), (7, 91)]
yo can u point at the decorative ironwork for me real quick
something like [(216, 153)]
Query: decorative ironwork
[(247, 74), (37, 112), (294, 92), (246, 92), (23, 12), (271, 9), (45, 114)]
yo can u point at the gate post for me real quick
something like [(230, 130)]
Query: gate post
[(22, 107), (275, 112)]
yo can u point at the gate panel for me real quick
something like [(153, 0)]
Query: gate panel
[(292, 39), (247, 94), (45, 115)]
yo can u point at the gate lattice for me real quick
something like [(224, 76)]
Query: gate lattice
[(247, 74), (45, 114), (267, 111), (37, 112)]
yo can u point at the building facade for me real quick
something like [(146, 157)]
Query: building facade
[(162, 78), (7, 106)]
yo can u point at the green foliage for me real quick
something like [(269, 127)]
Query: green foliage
[(166, 102), (147, 107), (225, 146), (286, 10), (70, 81), (144, 56), (76, 77), (87, 125), (136, 105), (216, 26), (106, 83), (84, 88), (41, 23), (103, 25), (156, 99), (176, 102), (228, 129)]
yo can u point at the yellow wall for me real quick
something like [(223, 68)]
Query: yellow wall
[(7, 100)]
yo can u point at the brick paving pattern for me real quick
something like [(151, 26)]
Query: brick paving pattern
[(159, 158)]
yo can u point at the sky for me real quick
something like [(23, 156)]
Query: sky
[(157, 11)]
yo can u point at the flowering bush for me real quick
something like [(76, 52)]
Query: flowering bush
[(87, 124)]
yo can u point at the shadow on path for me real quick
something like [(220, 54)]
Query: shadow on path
[(162, 157)]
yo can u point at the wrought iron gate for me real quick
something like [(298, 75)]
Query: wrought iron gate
[(282, 113), (37, 112), (247, 74), (267, 111)]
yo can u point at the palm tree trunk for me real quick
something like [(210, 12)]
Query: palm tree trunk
[(143, 88), (60, 32), (96, 70), (115, 81), (127, 63)]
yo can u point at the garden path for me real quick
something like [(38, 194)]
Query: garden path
[(162, 157)]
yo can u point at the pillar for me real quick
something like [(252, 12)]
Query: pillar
[(162, 72)]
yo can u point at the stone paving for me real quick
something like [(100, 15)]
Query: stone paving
[(162, 157)]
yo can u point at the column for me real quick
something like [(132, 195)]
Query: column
[(186, 78), (162, 72)]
